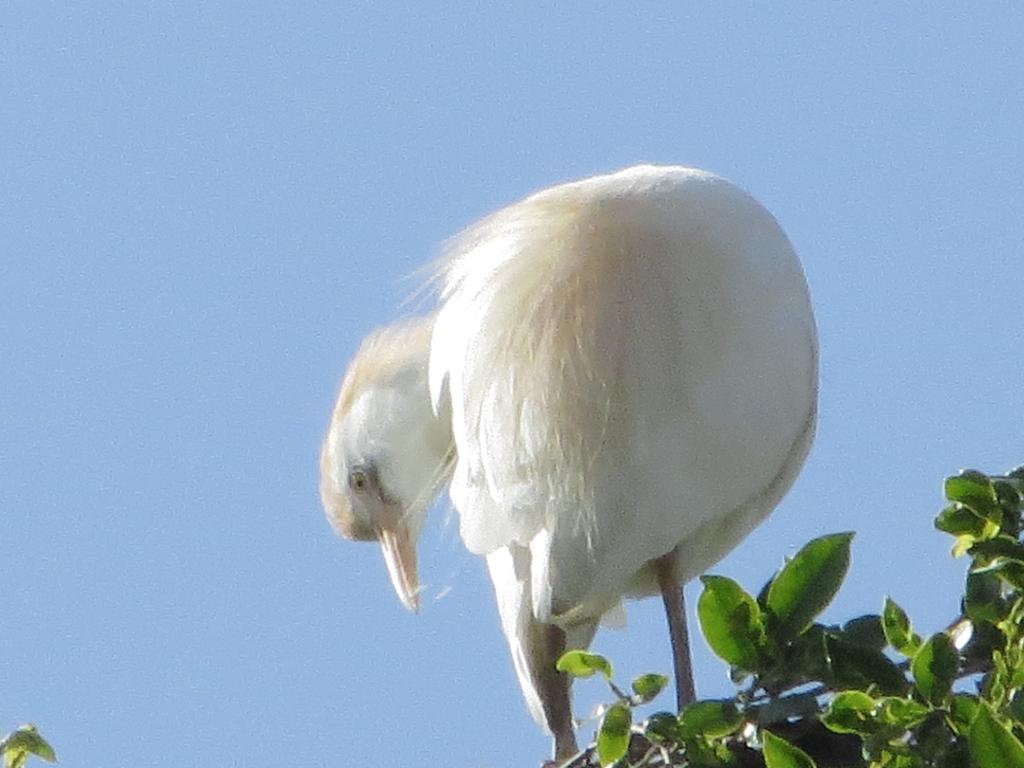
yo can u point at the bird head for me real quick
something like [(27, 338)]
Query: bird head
[(386, 454)]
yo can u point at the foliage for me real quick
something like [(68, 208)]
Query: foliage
[(870, 693), (17, 746)]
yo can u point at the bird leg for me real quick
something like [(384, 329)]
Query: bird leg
[(553, 687), (675, 612)]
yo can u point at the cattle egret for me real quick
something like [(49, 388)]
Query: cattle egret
[(620, 383)]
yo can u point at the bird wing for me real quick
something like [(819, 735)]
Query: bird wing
[(627, 360), (509, 568)]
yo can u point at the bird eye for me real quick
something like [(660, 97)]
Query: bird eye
[(359, 480)]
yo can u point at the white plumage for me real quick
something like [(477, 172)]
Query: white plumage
[(626, 368)]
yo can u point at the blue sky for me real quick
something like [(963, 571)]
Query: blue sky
[(204, 207)]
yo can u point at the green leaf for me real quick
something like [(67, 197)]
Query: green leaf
[(779, 753), (731, 622), (1009, 571), (807, 583), (974, 489), (999, 547), (662, 726), (896, 626), (963, 545), (992, 744), (1007, 496), (934, 668), (613, 735), (901, 712), (958, 520), (584, 664), (892, 758), (805, 659), (712, 718), (865, 630), (1015, 708), (851, 712), (983, 597), (646, 687), (856, 666), (963, 708), (762, 594), (793, 707), (933, 737), (25, 741)]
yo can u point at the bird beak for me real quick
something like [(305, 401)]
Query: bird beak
[(400, 557)]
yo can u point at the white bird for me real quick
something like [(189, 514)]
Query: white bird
[(620, 383)]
